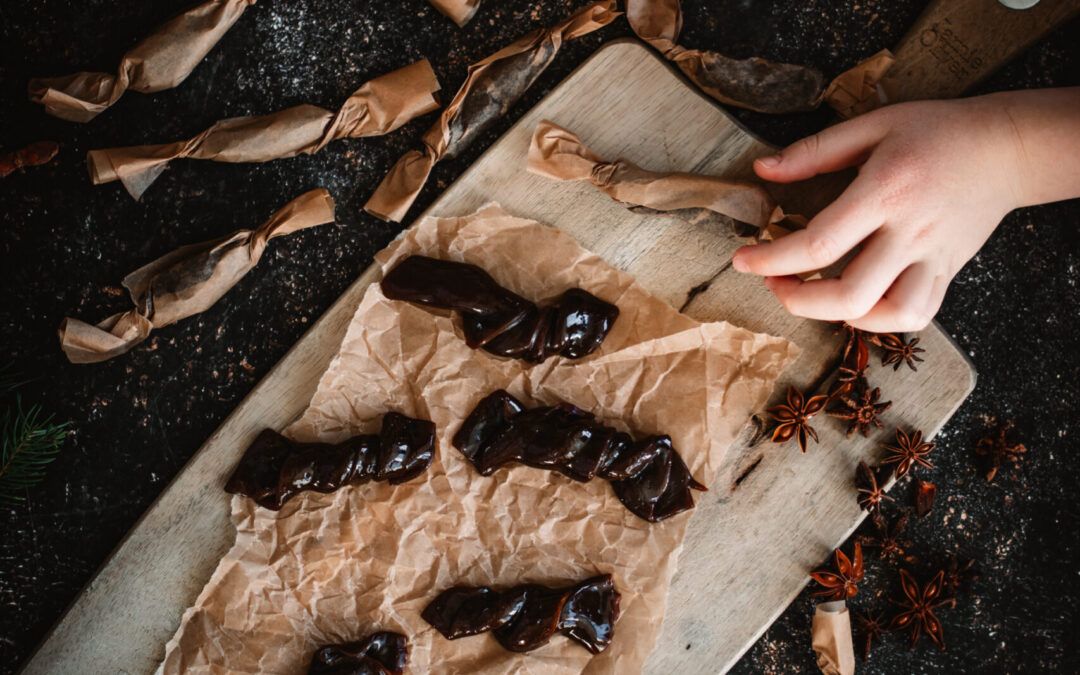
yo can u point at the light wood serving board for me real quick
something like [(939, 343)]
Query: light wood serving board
[(749, 546)]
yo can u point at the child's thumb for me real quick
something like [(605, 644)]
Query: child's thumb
[(832, 149)]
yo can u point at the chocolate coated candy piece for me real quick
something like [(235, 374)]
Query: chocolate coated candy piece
[(382, 653), (525, 617), (274, 469), (498, 320), (649, 477)]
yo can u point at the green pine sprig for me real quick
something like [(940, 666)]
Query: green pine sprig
[(30, 441)]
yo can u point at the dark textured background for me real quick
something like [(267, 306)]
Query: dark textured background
[(137, 419)]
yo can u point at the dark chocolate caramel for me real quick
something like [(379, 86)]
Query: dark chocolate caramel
[(382, 653)]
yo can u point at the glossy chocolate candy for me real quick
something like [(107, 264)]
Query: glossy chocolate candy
[(382, 653), (500, 321), (274, 468), (648, 476), (525, 617)]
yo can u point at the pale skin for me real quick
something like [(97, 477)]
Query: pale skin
[(935, 178)]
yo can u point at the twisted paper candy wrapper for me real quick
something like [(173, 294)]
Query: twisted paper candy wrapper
[(526, 617), (187, 281), (559, 154), (754, 83), (378, 107), (161, 61), (459, 11), (831, 638), (275, 469), (382, 653), (491, 87)]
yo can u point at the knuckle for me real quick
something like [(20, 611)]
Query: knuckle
[(853, 303), (810, 146), (821, 247)]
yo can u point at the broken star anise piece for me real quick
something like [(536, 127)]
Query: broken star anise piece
[(917, 613), (861, 408), (898, 352), (887, 542), (794, 417), (868, 630), (871, 491), (924, 498), (997, 449), (958, 575), (908, 451), (841, 584)]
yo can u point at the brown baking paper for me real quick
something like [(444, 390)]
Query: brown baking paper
[(560, 154), (864, 87), (333, 567), (161, 61), (754, 83), (491, 87), (831, 635), (187, 281), (459, 11), (378, 107)]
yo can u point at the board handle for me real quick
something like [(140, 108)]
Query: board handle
[(955, 44)]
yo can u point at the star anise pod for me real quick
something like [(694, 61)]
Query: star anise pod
[(924, 497), (898, 352), (841, 584), (908, 451), (957, 577), (794, 417), (861, 410), (997, 449), (887, 541), (917, 613), (868, 630), (853, 360), (870, 492)]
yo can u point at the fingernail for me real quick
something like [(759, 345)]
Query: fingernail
[(738, 263), (768, 162)]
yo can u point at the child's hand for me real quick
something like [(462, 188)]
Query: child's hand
[(935, 179)]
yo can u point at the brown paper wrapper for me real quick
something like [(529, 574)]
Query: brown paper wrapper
[(560, 154), (333, 567), (161, 61), (187, 281), (491, 87), (378, 107), (459, 11), (754, 83), (864, 87), (831, 635)]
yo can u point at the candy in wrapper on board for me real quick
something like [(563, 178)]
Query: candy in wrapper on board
[(491, 87), (187, 281), (161, 61), (378, 107)]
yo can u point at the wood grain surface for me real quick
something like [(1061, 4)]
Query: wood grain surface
[(749, 546)]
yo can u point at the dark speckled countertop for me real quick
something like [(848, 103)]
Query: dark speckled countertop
[(137, 419)]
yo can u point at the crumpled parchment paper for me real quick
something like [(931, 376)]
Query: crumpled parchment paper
[(161, 61), (491, 87), (333, 567), (378, 107), (187, 281)]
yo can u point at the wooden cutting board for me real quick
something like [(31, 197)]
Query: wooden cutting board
[(749, 547)]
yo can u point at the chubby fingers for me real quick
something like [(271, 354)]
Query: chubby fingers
[(852, 295), (835, 148), (909, 305), (837, 229)]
